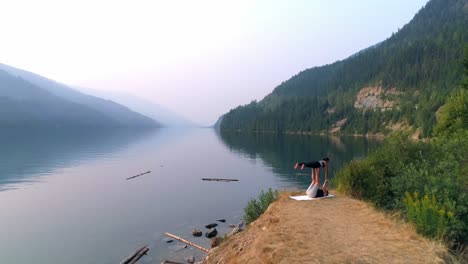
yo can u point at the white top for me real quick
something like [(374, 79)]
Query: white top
[(312, 190), (323, 163)]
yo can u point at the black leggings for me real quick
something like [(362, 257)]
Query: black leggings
[(312, 164)]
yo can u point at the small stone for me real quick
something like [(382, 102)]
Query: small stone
[(197, 233), (191, 259), (211, 225), (185, 246), (216, 241), (169, 241), (211, 233), (221, 220)]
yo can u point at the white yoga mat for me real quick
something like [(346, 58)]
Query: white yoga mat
[(307, 198)]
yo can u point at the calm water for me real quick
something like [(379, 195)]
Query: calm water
[(64, 197)]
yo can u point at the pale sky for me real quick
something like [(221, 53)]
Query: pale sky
[(198, 58)]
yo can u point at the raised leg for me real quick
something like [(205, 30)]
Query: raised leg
[(312, 176), (317, 175)]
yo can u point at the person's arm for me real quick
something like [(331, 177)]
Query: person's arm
[(326, 173)]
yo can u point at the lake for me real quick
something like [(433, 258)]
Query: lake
[(64, 197)]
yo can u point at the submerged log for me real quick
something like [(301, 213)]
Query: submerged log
[(216, 179), (136, 256), (141, 174), (186, 242)]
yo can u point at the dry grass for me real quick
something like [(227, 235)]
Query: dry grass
[(338, 230)]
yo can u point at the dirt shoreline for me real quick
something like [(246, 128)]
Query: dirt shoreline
[(335, 230)]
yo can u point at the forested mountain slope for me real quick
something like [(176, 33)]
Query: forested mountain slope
[(141, 105), (119, 113), (399, 83), (23, 104)]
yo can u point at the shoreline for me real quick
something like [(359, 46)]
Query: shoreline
[(368, 135)]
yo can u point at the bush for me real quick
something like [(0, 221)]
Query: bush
[(359, 180), (438, 168), (429, 218), (257, 207)]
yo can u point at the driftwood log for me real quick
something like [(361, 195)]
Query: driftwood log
[(186, 242), (141, 174), (136, 256), (237, 229), (170, 262), (216, 179)]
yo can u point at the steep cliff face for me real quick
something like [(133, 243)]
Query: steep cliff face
[(375, 97)]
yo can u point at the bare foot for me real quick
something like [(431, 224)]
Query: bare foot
[(302, 166), (297, 165)]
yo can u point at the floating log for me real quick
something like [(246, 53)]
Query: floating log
[(140, 255), (216, 179), (141, 174), (186, 242), (136, 256)]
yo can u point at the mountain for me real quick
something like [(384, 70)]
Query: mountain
[(118, 114), (217, 125), (399, 83), (146, 107), (23, 104)]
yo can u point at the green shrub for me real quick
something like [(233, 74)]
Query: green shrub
[(429, 218), (359, 180), (257, 207), (438, 168)]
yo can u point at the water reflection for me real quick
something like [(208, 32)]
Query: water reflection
[(85, 211), (282, 151), (27, 154)]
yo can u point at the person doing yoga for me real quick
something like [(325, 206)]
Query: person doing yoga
[(314, 190)]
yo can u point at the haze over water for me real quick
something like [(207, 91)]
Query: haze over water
[(65, 198)]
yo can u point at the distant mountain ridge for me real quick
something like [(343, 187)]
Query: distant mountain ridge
[(30, 89), (23, 104), (396, 84), (143, 106)]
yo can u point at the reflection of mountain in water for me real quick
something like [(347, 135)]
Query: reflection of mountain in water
[(282, 151), (25, 154)]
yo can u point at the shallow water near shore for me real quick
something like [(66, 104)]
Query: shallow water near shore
[(64, 196)]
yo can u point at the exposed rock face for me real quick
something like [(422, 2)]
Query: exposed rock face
[(211, 233), (337, 126), (374, 97), (331, 110)]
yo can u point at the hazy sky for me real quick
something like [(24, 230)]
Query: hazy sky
[(199, 58)]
